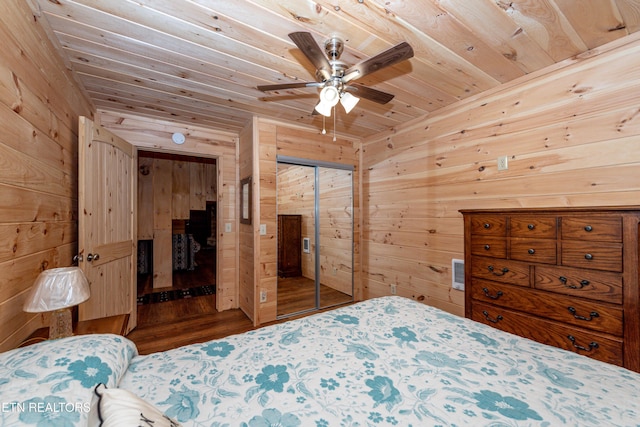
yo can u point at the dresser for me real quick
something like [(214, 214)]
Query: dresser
[(289, 245), (566, 277)]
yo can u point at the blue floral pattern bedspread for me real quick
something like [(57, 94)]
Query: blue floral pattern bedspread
[(51, 383), (388, 361)]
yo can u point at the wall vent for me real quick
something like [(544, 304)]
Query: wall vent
[(457, 274)]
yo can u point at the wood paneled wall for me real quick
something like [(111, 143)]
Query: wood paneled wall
[(572, 137), (247, 236), (39, 108), (155, 135), (279, 139)]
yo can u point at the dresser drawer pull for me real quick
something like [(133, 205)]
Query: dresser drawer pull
[(488, 295), (588, 228), (495, 273), (592, 315), (592, 345), (588, 256), (531, 226), (487, 225), (487, 247), (583, 283), (531, 251), (486, 316)]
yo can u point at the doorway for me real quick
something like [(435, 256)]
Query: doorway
[(315, 235), (177, 226)]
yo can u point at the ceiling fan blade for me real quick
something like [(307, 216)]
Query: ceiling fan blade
[(267, 88), (370, 94), (398, 53), (313, 52)]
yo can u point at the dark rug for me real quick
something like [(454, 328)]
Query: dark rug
[(165, 296)]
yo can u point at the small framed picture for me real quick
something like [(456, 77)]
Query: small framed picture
[(245, 200)]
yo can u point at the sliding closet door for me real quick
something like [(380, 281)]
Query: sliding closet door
[(335, 219), (315, 236), (296, 209)]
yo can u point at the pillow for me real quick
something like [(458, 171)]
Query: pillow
[(53, 381), (121, 408)]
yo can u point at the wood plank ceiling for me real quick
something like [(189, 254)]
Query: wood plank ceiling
[(199, 61)]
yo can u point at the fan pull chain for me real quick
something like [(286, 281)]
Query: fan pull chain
[(334, 123), (324, 130)]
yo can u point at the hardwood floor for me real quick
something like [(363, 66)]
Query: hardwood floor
[(298, 294), (166, 325), (185, 321)]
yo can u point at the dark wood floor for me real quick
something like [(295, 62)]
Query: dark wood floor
[(298, 294), (166, 325)]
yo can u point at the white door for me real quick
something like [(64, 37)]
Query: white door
[(107, 227)]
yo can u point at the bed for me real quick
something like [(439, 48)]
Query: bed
[(387, 361)]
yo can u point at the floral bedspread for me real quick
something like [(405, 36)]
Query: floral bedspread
[(51, 383), (388, 361)]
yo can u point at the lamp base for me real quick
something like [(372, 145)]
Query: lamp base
[(60, 325)]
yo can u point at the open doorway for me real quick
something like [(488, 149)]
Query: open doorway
[(177, 227)]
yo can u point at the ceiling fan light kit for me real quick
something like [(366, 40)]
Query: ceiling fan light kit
[(329, 97), (333, 76), (348, 101)]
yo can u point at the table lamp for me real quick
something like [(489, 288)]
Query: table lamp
[(57, 290)]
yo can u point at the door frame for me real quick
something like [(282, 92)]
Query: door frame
[(219, 188)]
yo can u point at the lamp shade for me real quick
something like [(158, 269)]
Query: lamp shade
[(348, 101), (330, 95), (324, 108), (57, 288)]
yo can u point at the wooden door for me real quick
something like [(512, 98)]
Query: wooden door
[(107, 191), (289, 245)]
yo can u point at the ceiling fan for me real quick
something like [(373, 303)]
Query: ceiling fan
[(334, 77)]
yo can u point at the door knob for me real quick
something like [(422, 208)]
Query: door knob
[(93, 257)]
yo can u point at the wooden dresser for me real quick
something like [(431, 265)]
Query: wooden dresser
[(566, 277), (289, 245)]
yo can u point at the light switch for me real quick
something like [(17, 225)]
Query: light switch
[(263, 229), (227, 227)]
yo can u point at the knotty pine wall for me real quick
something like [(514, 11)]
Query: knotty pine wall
[(39, 108), (572, 137), (273, 139), (155, 135), (248, 234)]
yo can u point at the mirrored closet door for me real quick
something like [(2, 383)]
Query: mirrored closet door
[(315, 235)]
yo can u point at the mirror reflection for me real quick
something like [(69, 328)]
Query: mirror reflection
[(315, 237)]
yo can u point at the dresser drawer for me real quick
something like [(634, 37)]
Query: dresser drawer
[(595, 255), (489, 246), (586, 314), (533, 250), (596, 285), (595, 345), (541, 227), (513, 272), (489, 225), (585, 228)]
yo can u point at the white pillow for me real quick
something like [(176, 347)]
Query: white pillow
[(121, 408)]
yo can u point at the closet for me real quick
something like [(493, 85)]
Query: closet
[(315, 235)]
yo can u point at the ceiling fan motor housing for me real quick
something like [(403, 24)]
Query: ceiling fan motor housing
[(333, 47)]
